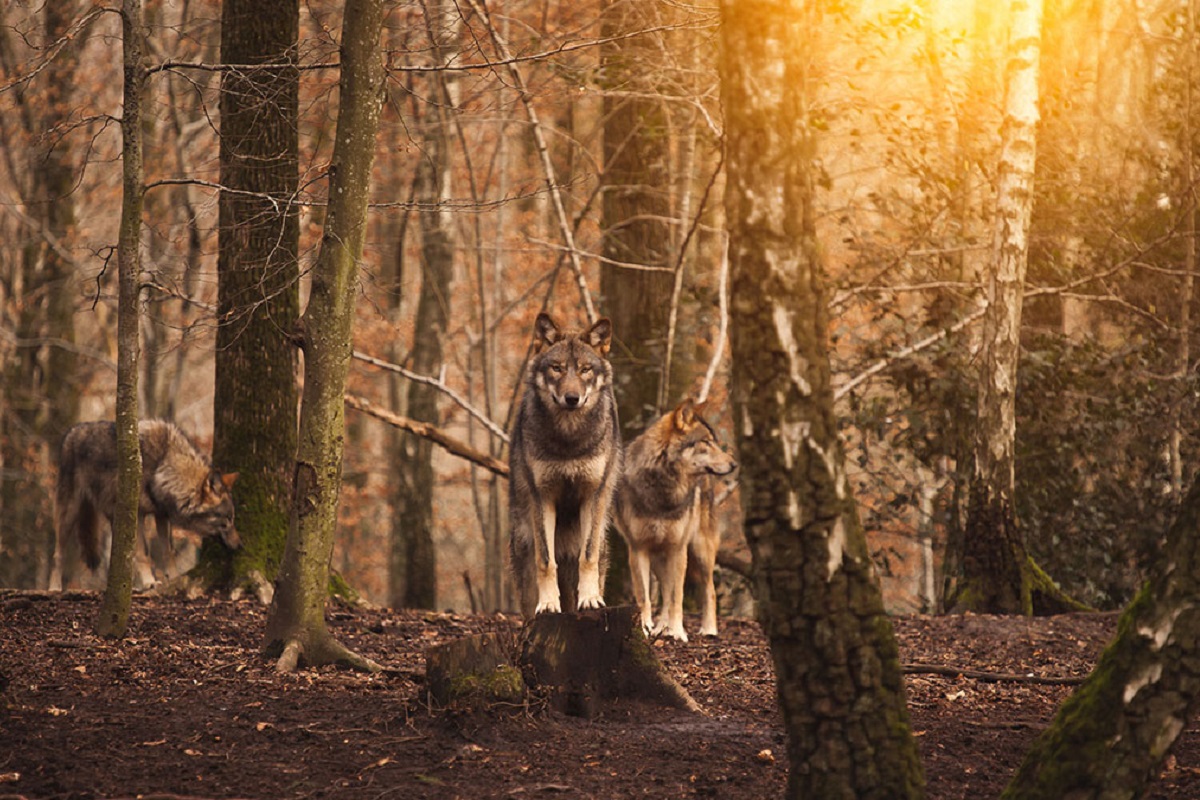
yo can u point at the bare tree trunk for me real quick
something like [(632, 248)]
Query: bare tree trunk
[(113, 619), (41, 384), (836, 660), (635, 211), (996, 572), (254, 404), (412, 537), (296, 629)]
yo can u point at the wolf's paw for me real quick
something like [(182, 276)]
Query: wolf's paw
[(673, 631), (590, 601), (548, 607)]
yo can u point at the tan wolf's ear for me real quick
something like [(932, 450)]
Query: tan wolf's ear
[(685, 415), (229, 478), (600, 336), (546, 331)]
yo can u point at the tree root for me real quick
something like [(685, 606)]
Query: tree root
[(320, 649), (1048, 597)]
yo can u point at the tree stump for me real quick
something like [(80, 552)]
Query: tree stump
[(577, 660), (474, 669)]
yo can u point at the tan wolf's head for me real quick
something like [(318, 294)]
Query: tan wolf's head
[(211, 511), (571, 368), (692, 442)]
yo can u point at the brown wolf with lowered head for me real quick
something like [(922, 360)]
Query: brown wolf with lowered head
[(664, 507), (564, 463), (179, 487)]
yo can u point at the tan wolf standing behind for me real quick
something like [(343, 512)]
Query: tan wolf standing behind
[(664, 505), (179, 487), (564, 463)]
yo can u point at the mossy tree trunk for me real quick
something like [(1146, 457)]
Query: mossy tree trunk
[(1109, 738), (296, 629), (113, 620), (996, 570), (41, 382), (836, 660), (254, 405), (413, 572)]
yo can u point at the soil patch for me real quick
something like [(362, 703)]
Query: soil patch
[(187, 707)]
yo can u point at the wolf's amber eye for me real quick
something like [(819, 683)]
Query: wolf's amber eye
[(556, 369), (585, 371)]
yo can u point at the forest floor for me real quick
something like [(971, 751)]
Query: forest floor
[(187, 707)]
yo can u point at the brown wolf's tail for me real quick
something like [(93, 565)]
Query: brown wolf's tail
[(74, 512)]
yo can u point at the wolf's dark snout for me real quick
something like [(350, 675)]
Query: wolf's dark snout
[(231, 539), (571, 399)]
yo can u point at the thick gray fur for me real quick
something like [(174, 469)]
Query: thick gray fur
[(565, 461)]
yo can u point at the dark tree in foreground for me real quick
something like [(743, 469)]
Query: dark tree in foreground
[(296, 629), (113, 619), (254, 403), (836, 660), (1109, 738)]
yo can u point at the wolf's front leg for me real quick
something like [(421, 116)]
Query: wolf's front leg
[(639, 575), (547, 566), (674, 572), (591, 524)]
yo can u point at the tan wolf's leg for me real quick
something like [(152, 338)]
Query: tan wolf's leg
[(704, 548), (591, 527), (674, 571), (547, 566), (639, 575)]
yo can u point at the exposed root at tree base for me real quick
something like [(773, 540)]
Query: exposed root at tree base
[(324, 650)]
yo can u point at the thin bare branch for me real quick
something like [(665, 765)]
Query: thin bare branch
[(539, 138), (438, 384), (427, 431)]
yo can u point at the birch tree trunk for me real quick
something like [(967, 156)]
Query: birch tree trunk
[(113, 620), (296, 629), (997, 576), (836, 660), (254, 403), (413, 573)]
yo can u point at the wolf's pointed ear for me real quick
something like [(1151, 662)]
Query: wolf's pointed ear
[(545, 330), (600, 336), (229, 478), (685, 415)]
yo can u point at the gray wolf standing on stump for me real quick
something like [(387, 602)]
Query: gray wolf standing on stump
[(179, 487), (564, 463), (664, 506)]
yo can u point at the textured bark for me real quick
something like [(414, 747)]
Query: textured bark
[(836, 660), (113, 619), (296, 629), (41, 388), (635, 212), (254, 405), (996, 577), (1109, 738), (413, 575)]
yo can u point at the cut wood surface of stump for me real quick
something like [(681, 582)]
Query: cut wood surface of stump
[(577, 660)]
